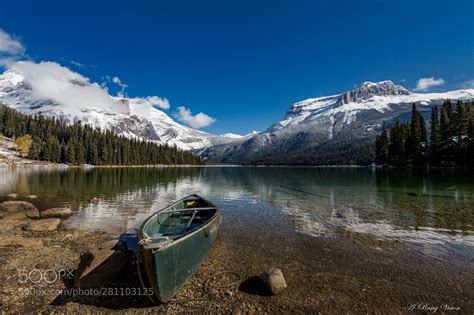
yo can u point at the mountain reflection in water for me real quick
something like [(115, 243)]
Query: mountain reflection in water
[(435, 207)]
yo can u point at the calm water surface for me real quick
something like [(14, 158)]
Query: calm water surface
[(416, 207)]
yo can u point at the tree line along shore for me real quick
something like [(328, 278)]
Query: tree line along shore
[(49, 139), (449, 142)]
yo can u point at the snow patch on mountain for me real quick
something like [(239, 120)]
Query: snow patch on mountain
[(48, 88), (236, 136), (336, 126), (377, 96)]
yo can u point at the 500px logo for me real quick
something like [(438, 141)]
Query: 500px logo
[(47, 276)]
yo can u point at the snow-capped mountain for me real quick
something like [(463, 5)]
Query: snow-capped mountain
[(331, 125), (49, 89), (236, 136)]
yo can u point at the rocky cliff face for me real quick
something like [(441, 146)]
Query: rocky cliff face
[(331, 126)]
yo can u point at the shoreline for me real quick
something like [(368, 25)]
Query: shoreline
[(346, 273), (47, 165)]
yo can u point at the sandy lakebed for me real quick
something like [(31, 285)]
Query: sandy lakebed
[(354, 274)]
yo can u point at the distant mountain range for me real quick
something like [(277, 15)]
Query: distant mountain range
[(131, 117), (336, 129)]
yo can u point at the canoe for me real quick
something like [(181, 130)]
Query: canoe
[(175, 240)]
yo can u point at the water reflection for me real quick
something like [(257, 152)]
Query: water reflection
[(425, 207)]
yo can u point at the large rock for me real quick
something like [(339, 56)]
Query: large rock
[(56, 213), (18, 210), (98, 267), (19, 241), (12, 196), (43, 225), (274, 280)]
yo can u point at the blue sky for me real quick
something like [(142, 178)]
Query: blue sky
[(245, 62)]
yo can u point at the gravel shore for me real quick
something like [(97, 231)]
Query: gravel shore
[(350, 274)]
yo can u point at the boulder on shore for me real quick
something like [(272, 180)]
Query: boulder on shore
[(274, 280), (19, 241), (56, 213), (12, 196), (98, 267), (18, 210), (31, 196), (43, 225)]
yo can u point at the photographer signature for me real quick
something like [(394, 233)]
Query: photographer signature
[(432, 308)]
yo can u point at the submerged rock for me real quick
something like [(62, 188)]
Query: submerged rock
[(43, 225), (56, 213), (98, 267), (18, 210), (19, 241), (274, 280)]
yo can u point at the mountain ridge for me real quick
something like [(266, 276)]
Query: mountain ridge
[(53, 90), (314, 128), (335, 126)]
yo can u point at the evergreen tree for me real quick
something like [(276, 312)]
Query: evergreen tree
[(470, 154), (417, 140), (55, 149), (382, 147), (451, 138), (35, 149), (80, 154), (461, 120), (56, 141), (71, 153), (435, 135), (445, 125)]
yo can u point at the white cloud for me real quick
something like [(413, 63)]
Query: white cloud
[(10, 45), (78, 64), (6, 62), (162, 103), (123, 86), (199, 120), (11, 49), (425, 84), (49, 80)]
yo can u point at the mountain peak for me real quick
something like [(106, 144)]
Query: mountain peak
[(369, 89)]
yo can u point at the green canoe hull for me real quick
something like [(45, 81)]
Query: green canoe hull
[(169, 267)]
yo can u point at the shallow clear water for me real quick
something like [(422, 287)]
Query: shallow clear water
[(420, 207)]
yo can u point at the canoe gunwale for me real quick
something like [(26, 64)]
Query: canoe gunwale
[(148, 254), (143, 236)]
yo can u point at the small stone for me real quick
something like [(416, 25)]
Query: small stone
[(19, 241), (236, 311), (229, 293), (340, 215), (43, 225), (18, 210), (98, 267), (95, 200), (56, 213), (32, 197), (274, 280)]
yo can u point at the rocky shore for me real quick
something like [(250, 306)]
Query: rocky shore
[(41, 264)]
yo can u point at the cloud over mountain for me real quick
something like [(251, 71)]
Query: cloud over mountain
[(424, 84), (199, 120)]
